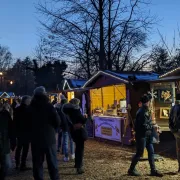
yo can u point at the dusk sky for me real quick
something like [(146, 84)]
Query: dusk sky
[(19, 24)]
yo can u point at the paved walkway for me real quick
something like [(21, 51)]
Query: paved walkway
[(105, 161)]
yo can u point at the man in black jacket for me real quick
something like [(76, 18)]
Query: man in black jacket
[(144, 137), (21, 114), (44, 122)]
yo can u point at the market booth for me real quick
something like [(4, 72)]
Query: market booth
[(166, 91), (114, 101), (7, 96), (71, 86)]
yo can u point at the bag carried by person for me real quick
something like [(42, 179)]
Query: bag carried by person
[(79, 134), (156, 132)]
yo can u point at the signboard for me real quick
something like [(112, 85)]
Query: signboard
[(108, 128)]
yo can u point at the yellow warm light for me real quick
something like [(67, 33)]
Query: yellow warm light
[(11, 82), (106, 96), (70, 95), (1, 73)]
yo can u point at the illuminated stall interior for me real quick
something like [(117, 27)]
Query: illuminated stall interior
[(70, 95), (107, 100)]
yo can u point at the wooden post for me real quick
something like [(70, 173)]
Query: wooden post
[(102, 98), (174, 92)]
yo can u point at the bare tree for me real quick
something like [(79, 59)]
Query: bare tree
[(5, 58), (97, 34)]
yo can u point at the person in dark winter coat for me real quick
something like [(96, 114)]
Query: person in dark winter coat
[(65, 133), (21, 114), (144, 137), (54, 101), (44, 122), (7, 139), (174, 126), (78, 132), (14, 104), (59, 130)]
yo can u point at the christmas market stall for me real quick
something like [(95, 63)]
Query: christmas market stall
[(71, 86), (7, 96), (114, 99), (166, 90)]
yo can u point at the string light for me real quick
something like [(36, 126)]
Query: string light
[(169, 72), (102, 72)]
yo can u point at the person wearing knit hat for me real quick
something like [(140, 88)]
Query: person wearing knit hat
[(62, 96), (78, 132), (144, 137), (40, 90), (44, 121)]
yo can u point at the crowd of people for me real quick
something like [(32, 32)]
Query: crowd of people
[(34, 122)]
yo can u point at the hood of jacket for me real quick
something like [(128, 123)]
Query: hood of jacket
[(39, 100), (71, 106)]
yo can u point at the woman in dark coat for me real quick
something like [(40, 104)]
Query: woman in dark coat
[(21, 123), (78, 132), (7, 138)]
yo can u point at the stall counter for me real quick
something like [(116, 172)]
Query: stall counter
[(108, 127)]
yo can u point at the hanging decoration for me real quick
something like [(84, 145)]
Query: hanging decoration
[(152, 110), (156, 130)]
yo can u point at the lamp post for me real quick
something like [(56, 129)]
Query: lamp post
[(1, 75)]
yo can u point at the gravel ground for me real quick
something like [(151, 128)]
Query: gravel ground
[(106, 161)]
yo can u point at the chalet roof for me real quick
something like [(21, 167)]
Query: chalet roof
[(73, 83), (7, 94), (125, 76), (166, 79), (11, 94), (172, 72), (138, 76)]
